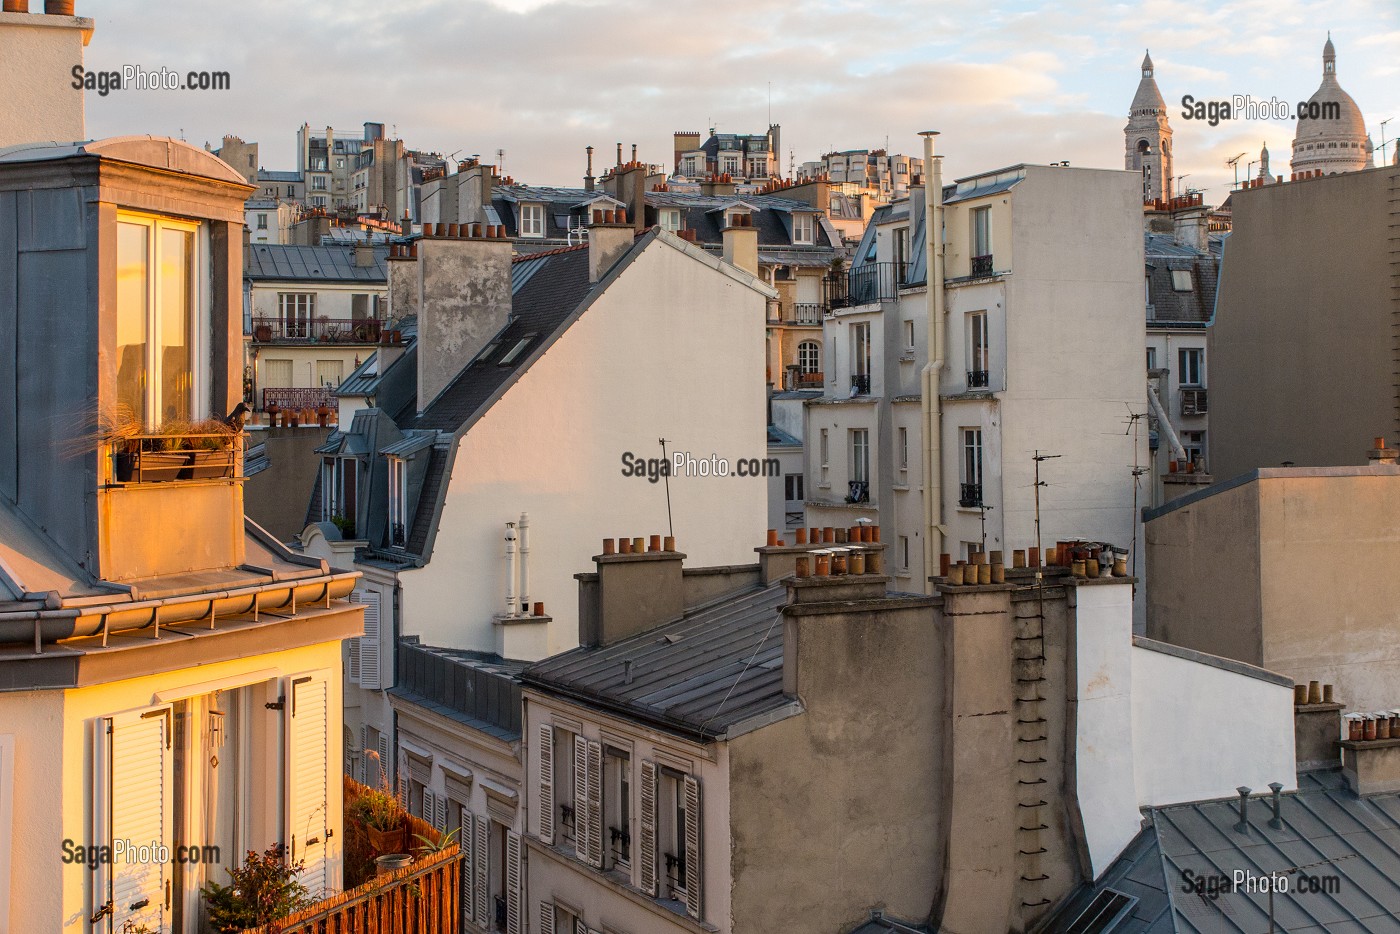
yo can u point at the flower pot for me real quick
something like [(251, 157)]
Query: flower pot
[(210, 464), (262, 333), (385, 842), (158, 467), (391, 861), (125, 466)]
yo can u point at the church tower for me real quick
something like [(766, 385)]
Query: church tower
[(1147, 138), (1332, 137)]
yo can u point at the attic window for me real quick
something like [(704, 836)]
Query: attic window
[(514, 353), (802, 228), (670, 219), (1181, 280), (532, 220), (490, 349)]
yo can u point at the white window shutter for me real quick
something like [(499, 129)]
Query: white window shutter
[(692, 847), (352, 652), (483, 871), (515, 885), (429, 815), (363, 768), (402, 774), (547, 918), (308, 781), (382, 772), (465, 896), (140, 763), (442, 813), (370, 643), (580, 927), (581, 835), (646, 846), (546, 765), (595, 804)]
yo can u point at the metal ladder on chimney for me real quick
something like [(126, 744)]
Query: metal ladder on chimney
[(1032, 738)]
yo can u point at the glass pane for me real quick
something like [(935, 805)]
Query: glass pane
[(176, 313), (133, 268)]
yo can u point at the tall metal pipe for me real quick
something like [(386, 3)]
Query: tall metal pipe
[(511, 569), (932, 403), (525, 561)]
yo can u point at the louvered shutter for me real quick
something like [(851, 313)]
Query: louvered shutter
[(382, 770), (646, 846), (352, 658), (547, 918), (369, 642), (581, 837), (580, 927), (483, 871), (347, 742), (308, 779), (402, 785), (442, 813), (466, 895), (362, 768), (515, 885), (595, 804), (546, 765), (140, 764), (429, 815), (692, 847)]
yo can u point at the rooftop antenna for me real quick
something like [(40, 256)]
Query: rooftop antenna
[(1235, 164), (501, 163), (1133, 419), (667, 475), (1040, 569)]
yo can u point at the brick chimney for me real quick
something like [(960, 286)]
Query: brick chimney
[(638, 585), (464, 300), (609, 237), (741, 243), (37, 99)]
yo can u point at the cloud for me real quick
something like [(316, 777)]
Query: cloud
[(541, 79)]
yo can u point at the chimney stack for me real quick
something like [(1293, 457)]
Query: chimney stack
[(464, 300), (741, 243), (609, 237), (364, 253), (37, 99), (588, 180), (631, 591)]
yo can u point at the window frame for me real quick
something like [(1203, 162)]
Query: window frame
[(398, 501), (804, 228), (1183, 275), (859, 442), (971, 463), (671, 219), (531, 220), (809, 357), (979, 345), (296, 319), (981, 233), (824, 453), (1198, 357)]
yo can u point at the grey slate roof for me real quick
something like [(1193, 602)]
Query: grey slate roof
[(776, 436), (477, 689), (276, 175), (772, 217), (284, 262), (715, 667), (1323, 827), (1168, 306)]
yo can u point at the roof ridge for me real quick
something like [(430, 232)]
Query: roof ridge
[(563, 249)]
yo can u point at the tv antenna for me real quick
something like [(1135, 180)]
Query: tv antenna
[(1235, 164), (1040, 563), (666, 473)]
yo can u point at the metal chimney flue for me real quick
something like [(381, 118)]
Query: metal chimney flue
[(1276, 821), (1244, 792)]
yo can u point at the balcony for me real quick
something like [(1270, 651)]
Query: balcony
[(813, 380), (320, 330), (865, 284), (163, 458), (298, 400), (858, 491), (981, 266), (978, 379), (970, 495), (806, 313), (860, 384)]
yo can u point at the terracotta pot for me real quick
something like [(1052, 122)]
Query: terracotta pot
[(384, 842)]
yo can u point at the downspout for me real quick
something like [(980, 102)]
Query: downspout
[(1160, 411), (933, 370)]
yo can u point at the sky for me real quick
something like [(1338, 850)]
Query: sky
[(542, 79)]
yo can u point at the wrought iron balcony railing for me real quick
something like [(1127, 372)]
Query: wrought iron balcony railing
[(981, 266), (860, 382), (295, 330), (865, 284), (977, 379), (970, 495)]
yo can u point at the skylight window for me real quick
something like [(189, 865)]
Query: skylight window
[(514, 353)]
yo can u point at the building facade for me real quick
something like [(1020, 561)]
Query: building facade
[(1331, 136)]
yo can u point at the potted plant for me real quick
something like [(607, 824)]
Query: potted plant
[(211, 447), (262, 333), (383, 820), (264, 889)]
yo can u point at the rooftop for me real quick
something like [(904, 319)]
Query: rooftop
[(326, 263)]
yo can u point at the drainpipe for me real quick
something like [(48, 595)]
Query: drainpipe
[(525, 561), (932, 403), (510, 569), (1160, 411)]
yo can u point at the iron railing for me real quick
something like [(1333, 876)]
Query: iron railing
[(864, 285), (977, 379), (981, 266), (163, 458), (297, 399), (860, 382), (293, 330), (858, 491), (970, 495), (806, 313), (396, 535)]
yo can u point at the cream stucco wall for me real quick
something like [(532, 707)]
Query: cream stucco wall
[(37, 99), (671, 349), (52, 789)]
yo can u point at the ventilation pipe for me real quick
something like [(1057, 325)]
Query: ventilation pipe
[(933, 371), (1160, 411), (525, 561), (510, 569)]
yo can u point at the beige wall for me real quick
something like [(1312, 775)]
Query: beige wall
[(37, 99), (1294, 572), (1301, 352)]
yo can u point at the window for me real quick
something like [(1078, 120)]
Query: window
[(291, 191), (1151, 358), (690, 168), (340, 163), (981, 232), (978, 364), (825, 460), (1194, 443), (398, 502), (902, 447), (563, 788), (514, 353), (860, 455), (1191, 366), (903, 553), (908, 335), (318, 202), (860, 356), (157, 320), (803, 228), (670, 219), (731, 165), (971, 468), (262, 221), (671, 832), (250, 161), (318, 183), (809, 357), (901, 253), (532, 220), (617, 806), (1181, 280), (338, 476), (296, 309)]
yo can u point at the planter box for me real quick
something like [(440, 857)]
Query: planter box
[(159, 467), (209, 465), (385, 842)]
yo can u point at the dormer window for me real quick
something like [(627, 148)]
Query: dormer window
[(670, 219), (398, 503), (803, 229), (532, 220), (157, 320)]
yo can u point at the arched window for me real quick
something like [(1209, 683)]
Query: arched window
[(809, 356)]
